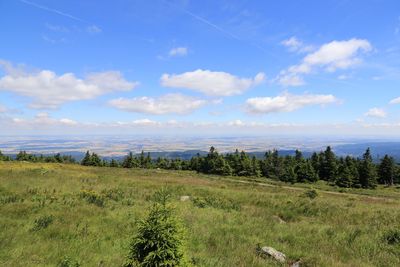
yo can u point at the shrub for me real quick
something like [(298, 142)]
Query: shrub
[(10, 199), (311, 194), (68, 262), (113, 194), (42, 222), (159, 241), (92, 198), (392, 237), (216, 202)]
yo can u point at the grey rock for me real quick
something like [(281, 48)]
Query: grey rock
[(273, 253), (185, 198), (278, 219)]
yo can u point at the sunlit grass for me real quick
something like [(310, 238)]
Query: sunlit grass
[(94, 211)]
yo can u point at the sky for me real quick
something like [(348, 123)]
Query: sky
[(200, 67)]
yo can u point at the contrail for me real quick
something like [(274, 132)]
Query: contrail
[(209, 23), (54, 11), (216, 27)]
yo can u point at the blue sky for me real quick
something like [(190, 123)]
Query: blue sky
[(163, 66)]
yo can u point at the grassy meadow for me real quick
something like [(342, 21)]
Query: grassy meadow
[(51, 213)]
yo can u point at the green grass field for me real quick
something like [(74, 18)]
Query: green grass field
[(52, 211)]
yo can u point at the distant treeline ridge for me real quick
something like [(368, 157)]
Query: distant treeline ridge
[(325, 165)]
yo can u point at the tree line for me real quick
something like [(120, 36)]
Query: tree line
[(347, 172)]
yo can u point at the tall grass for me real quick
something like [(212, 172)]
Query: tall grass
[(94, 213)]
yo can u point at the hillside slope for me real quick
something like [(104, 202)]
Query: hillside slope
[(52, 211)]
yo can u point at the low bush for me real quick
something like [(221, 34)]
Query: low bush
[(115, 194), (92, 198), (311, 194), (392, 237), (216, 202), (10, 198), (68, 262), (42, 222)]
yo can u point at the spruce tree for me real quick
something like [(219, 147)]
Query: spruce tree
[(288, 175), (305, 172), (130, 161), (86, 161), (329, 166), (114, 163), (344, 178), (386, 170), (367, 171), (95, 160), (160, 238)]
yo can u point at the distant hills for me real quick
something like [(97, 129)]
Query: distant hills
[(378, 149)]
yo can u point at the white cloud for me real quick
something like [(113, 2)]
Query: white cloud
[(286, 103), (291, 80), (343, 77), (395, 101), (68, 121), (93, 29), (44, 124), (145, 122), (236, 123), (295, 45), (49, 90), (57, 28), (178, 51), (3, 108), (166, 104), (211, 82), (329, 57), (376, 113), (43, 119)]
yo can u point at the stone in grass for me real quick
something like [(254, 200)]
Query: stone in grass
[(273, 253), (185, 198), (295, 264), (278, 219)]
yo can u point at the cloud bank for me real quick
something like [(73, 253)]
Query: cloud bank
[(166, 104), (49, 90), (212, 83), (286, 103), (329, 57)]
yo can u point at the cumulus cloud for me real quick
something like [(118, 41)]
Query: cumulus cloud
[(49, 90), (166, 104), (295, 45), (145, 122), (395, 101), (376, 113), (211, 83), (286, 103), (3, 108), (329, 57), (343, 77), (178, 51), (291, 80), (93, 29), (43, 119), (236, 123)]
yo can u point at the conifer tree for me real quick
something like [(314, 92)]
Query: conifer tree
[(367, 171), (345, 177), (329, 166), (95, 160), (386, 170), (160, 238), (86, 161), (288, 175), (114, 163), (305, 172), (130, 161)]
